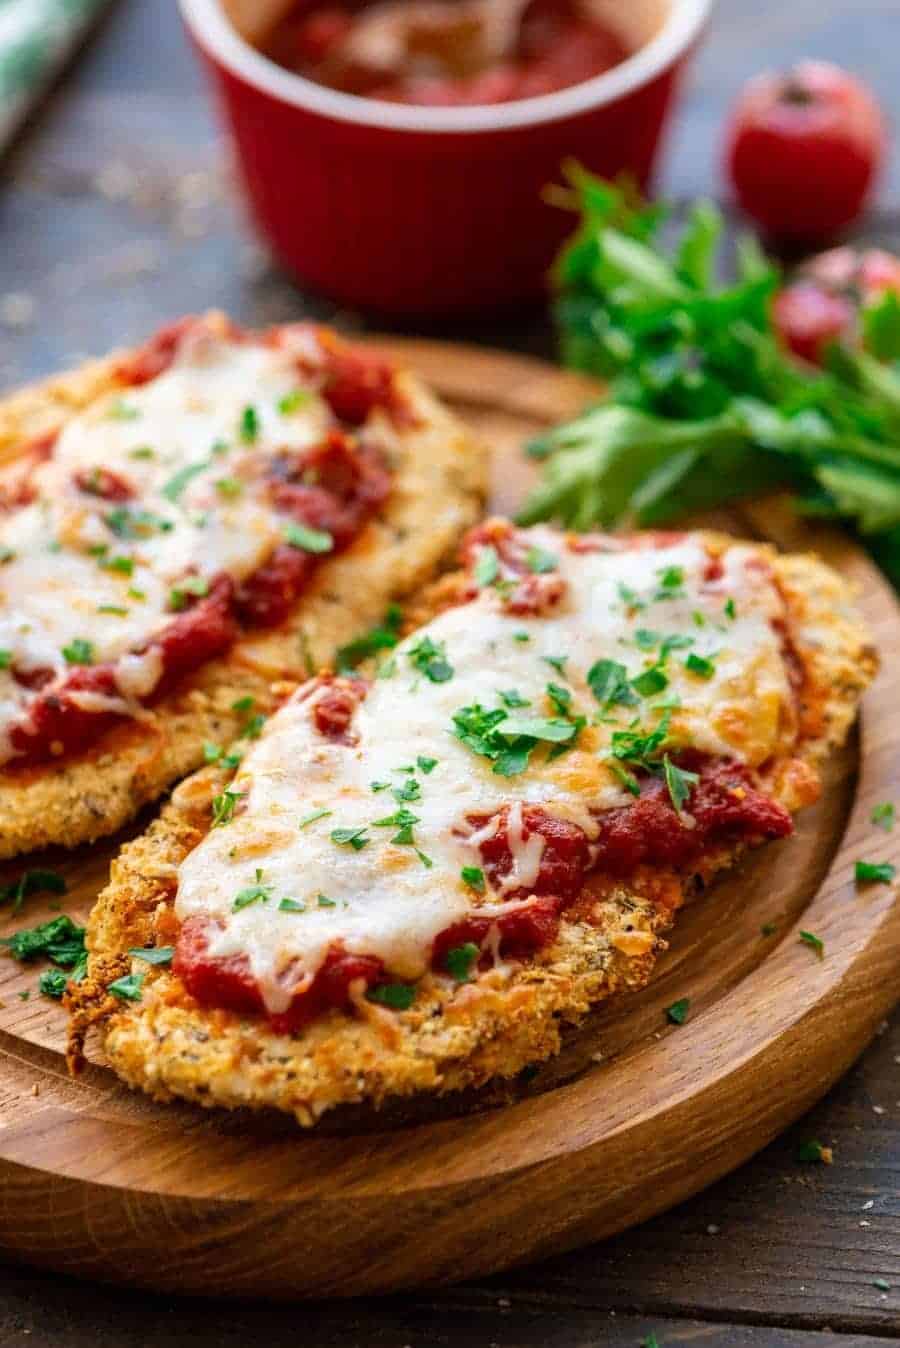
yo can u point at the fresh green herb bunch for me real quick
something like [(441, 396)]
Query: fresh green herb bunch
[(704, 404)]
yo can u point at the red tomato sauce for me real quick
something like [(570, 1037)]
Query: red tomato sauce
[(446, 54), (334, 487), (724, 808)]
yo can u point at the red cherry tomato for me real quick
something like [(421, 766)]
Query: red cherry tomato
[(804, 150), (824, 300)]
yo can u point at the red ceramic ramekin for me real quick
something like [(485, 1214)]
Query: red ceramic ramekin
[(432, 211)]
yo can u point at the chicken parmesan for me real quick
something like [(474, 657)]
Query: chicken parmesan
[(180, 527), (413, 878)]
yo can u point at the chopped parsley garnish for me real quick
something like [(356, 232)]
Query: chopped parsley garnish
[(382, 638), (630, 598), (128, 988), (699, 619), (304, 538), (425, 860), (223, 807), (78, 652), (487, 566), (126, 523), (652, 681), (292, 402), (473, 876), (557, 662), (646, 639), (229, 487), (540, 561), (460, 961), (324, 902), (509, 740), (426, 765), (559, 697), (311, 818), (380, 786), (135, 594), (403, 821), (255, 893), (410, 790), (679, 782), (678, 1011), (651, 1341), (115, 609), (350, 837), (291, 906), (6, 658), (31, 882), (730, 609), (811, 1151), (512, 698), (671, 583), (172, 489), (59, 940), (608, 681), (142, 452), (242, 704), (155, 954), (212, 752), (252, 728), (875, 872), (124, 566), (52, 983), (641, 747), (521, 636), (398, 996), (192, 586), (814, 942), (699, 665), (249, 428), (883, 815), (430, 658)]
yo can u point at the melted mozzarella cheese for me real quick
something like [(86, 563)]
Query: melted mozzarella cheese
[(385, 899), (173, 441)]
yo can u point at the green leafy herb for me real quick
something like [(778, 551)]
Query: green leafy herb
[(127, 523), (425, 860), (308, 540), (382, 638), (679, 783), (311, 818), (142, 452), (608, 681), (350, 837), (243, 704), (649, 683), (557, 662), (249, 427), (883, 815), (487, 566), (291, 906), (120, 410), (671, 582), (510, 697), (78, 652), (430, 659), (176, 485), (882, 1284), (540, 561), (559, 697), (59, 939), (410, 790), (223, 806), (460, 961), (115, 609), (398, 996), (324, 902), (730, 609), (292, 402), (31, 882), (678, 1011), (52, 983), (640, 747), (814, 942), (699, 665), (875, 872), (521, 636), (426, 765), (650, 1341), (509, 740), (158, 954), (473, 876), (6, 659), (128, 988), (403, 821), (255, 893), (229, 487), (192, 586)]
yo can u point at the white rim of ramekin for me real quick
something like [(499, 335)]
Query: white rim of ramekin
[(208, 23)]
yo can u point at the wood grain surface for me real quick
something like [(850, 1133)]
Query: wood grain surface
[(116, 213), (633, 1116)]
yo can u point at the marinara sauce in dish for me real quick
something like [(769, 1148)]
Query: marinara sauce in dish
[(446, 53)]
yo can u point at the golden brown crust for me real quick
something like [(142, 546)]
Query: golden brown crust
[(438, 485), (452, 1037)]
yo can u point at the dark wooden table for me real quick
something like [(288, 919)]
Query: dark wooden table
[(115, 214)]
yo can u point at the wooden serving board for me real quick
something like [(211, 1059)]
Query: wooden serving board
[(635, 1114)]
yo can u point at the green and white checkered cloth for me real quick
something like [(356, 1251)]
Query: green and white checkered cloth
[(36, 36)]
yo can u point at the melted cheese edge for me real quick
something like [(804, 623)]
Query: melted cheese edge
[(54, 590), (384, 899)]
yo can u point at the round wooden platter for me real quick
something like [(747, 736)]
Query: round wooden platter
[(634, 1115)]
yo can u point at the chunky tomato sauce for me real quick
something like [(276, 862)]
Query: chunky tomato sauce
[(333, 487), (446, 53), (724, 808)]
